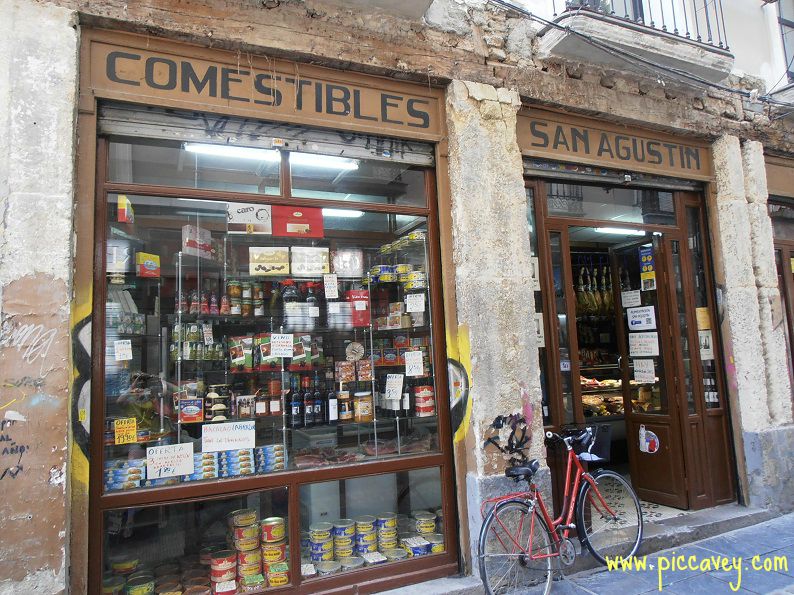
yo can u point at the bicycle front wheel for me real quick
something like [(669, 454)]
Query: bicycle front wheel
[(515, 550), (609, 517)]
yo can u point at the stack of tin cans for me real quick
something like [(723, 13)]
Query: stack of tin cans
[(344, 533), (321, 542), (366, 540), (386, 525), (274, 551)]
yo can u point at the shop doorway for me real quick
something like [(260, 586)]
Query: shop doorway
[(625, 291)]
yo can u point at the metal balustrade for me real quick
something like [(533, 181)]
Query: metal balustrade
[(702, 21)]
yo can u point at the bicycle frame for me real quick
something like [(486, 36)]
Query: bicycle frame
[(535, 498)]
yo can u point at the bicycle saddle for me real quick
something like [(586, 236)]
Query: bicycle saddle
[(523, 471)]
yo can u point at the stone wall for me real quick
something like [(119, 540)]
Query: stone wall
[(38, 84)]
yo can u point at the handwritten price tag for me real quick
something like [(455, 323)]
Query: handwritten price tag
[(413, 363), (415, 302), (122, 350), (331, 287), (394, 387), (125, 430), (169, 461), (280, 345), (230, 436)]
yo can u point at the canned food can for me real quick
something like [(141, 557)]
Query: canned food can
[(251, 543), (402, 269), (227, 574), (274, 552), (409, 285), (344, 527), (249, 557), (331, 567), (321, 556), (319, 531), (273, 529), (278, 579), (325, 545), (387, 278), (436, 542), (351, 562), (221, 561), (388, 545), (140, 586), (388, 533), (246, 532), (249, 569), (141, 574), (343, 541), (365, 523), (395, 554), (386, 520), (366, 548), (165, 588), (425, 522), (380, 269), (416, 236), (123, 564), (344, 552), (416, 546), (370, 537), (113, 585), (244, 517)]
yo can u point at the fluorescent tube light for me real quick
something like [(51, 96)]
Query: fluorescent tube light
[(342, 213), (322, 161), (232, 151), (619, 231)]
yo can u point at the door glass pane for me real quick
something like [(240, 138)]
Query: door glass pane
[(782, 215), (682, 324), (558, 274), (610, 204), (638, 267), (197, 544), (539, 318), (379, 519), (194, 165), (201, 295), (705, 325), (785, 267)]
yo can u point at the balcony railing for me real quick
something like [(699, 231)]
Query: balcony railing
[(702, 21)]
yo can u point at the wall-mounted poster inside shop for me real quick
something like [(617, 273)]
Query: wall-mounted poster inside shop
[(643, 344), (297, 222), (706, 343), (348, 262), (641, 319), (268, 260), (647, 269), (249, 218), (309, 262)]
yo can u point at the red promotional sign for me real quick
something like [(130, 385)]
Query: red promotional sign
[(359, 312), (297, 222)]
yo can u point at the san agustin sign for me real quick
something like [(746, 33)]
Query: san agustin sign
[(553, 136), (267, 87)]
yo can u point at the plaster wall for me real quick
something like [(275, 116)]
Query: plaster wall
[(38, 84)]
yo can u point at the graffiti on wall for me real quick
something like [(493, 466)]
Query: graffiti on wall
[(459, 372)]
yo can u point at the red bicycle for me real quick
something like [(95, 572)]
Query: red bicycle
[(519, 540)]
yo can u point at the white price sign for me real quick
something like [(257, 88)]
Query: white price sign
[(644, 371), (229, 436), (394, 387), (331, 286), (643, 344), (415, 302), (207, 330), (314, 311), (281, 345), (169, 461), (413, 363), (630, 299), (334, 308), (641, 319), (122, 350)]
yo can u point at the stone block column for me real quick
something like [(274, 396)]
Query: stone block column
[(491, 254)]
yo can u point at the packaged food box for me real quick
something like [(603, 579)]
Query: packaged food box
[(364, 370), (345, 371), (147, 265)]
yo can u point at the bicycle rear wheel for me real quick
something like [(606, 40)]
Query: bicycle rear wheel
[(609, 519), (510, 539)]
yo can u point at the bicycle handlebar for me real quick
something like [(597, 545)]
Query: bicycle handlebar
[(583, 437)]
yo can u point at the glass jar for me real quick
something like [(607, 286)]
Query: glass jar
[(345, 406), (234, 289), (246, 308), (363, 407), (245, 290)]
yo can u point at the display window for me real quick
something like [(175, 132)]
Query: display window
[(781, 211), (271, 351)]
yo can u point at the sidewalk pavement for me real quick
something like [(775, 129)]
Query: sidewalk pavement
[(766, 551)]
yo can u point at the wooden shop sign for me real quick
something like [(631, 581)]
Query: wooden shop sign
[(563, 138), (138, 69)]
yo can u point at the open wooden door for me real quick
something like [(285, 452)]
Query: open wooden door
[(653, 430)]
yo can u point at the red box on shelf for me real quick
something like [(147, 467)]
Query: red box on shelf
[(359, 313)]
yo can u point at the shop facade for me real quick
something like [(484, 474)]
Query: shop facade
[(220, 234), (177, 171)]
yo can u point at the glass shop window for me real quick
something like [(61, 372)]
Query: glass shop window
[(606, 203)]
